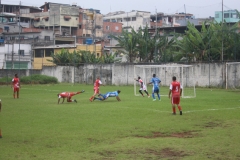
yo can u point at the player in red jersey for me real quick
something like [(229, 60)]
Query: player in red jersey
[(176, 91), (68, 95), (15, 85), (96, 88)]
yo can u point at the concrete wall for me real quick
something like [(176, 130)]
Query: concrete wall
[(9, 73), (200, 74)]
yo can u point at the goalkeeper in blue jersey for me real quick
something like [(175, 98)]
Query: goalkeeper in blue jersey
[(155, 81), (103, 97)]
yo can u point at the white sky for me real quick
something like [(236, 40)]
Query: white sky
[(200, 8)]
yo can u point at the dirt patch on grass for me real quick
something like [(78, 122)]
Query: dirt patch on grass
[(187, 134), (168, 153), (213, 124)]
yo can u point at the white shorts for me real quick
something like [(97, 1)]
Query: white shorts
[(143, 88)]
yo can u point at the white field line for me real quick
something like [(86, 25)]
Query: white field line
[(154, 110), (213, 109), (41, 89)]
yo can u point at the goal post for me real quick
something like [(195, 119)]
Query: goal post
[(183, 73), (232, 75)]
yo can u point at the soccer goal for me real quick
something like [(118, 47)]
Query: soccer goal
[(183, 73), (232, 75)]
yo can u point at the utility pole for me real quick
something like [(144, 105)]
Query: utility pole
[(185, 14), (222, 31), (54, 29), (155, 36), (12, 53), (19, 39)]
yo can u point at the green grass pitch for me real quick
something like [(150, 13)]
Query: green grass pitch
[(36, 127)]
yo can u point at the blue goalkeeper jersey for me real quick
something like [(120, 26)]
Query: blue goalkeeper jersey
[(155, 81), (110, 94)]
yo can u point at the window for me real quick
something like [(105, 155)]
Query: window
[(226, 15), (119, 20), (126, 19), (21, 52), (80, 26), (134, 18), (116, 28), (47, 38), (113, 20), (216, 15), (48, 52), (39, 53), (234, 15), (107, 27)]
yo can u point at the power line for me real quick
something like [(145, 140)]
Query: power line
[(204, 6)]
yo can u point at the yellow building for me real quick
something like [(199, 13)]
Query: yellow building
[(43, 54)]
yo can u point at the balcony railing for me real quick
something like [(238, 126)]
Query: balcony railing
[(16, 57)]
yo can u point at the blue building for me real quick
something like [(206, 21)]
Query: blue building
[(229, 16)]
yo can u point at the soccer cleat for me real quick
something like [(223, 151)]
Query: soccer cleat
[(82, 91), (154, 99), (180, 112), (148, 96), (75, 100)]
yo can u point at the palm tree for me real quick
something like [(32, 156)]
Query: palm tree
[(128, 42)]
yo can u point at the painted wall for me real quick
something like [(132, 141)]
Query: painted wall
[(205, 75), (7, 50), (142, 19), (201, 74)]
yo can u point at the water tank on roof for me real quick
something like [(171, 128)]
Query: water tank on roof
[(89, 41)]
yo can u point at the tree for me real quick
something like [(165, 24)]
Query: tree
[(128, 42)]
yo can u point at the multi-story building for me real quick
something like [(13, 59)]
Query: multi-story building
[(134, 19), (18, 48), (229, 16), (91, 26)]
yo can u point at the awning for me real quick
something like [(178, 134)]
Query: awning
[(46, 17), (67, 17), (36, 19)]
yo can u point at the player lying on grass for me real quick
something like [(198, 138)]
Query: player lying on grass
[(102, 97), (68, 95)]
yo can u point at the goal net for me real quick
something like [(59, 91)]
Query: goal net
[(232, 75), (183, 73)]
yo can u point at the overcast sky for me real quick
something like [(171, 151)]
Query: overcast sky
[(200, 8)]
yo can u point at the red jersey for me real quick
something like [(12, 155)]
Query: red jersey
[(66, 94), (97, 83), (15, 82), (175, 88)]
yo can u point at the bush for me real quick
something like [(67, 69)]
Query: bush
[(38, 79), (5, 80)]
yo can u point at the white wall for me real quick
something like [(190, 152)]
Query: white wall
[(202, 74), (142, 18), (8, 48)]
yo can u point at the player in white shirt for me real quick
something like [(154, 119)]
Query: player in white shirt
[(142, 87)]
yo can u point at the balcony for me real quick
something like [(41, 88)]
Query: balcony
[(15, 57)]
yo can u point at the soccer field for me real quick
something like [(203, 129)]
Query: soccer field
[(36, 127)]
